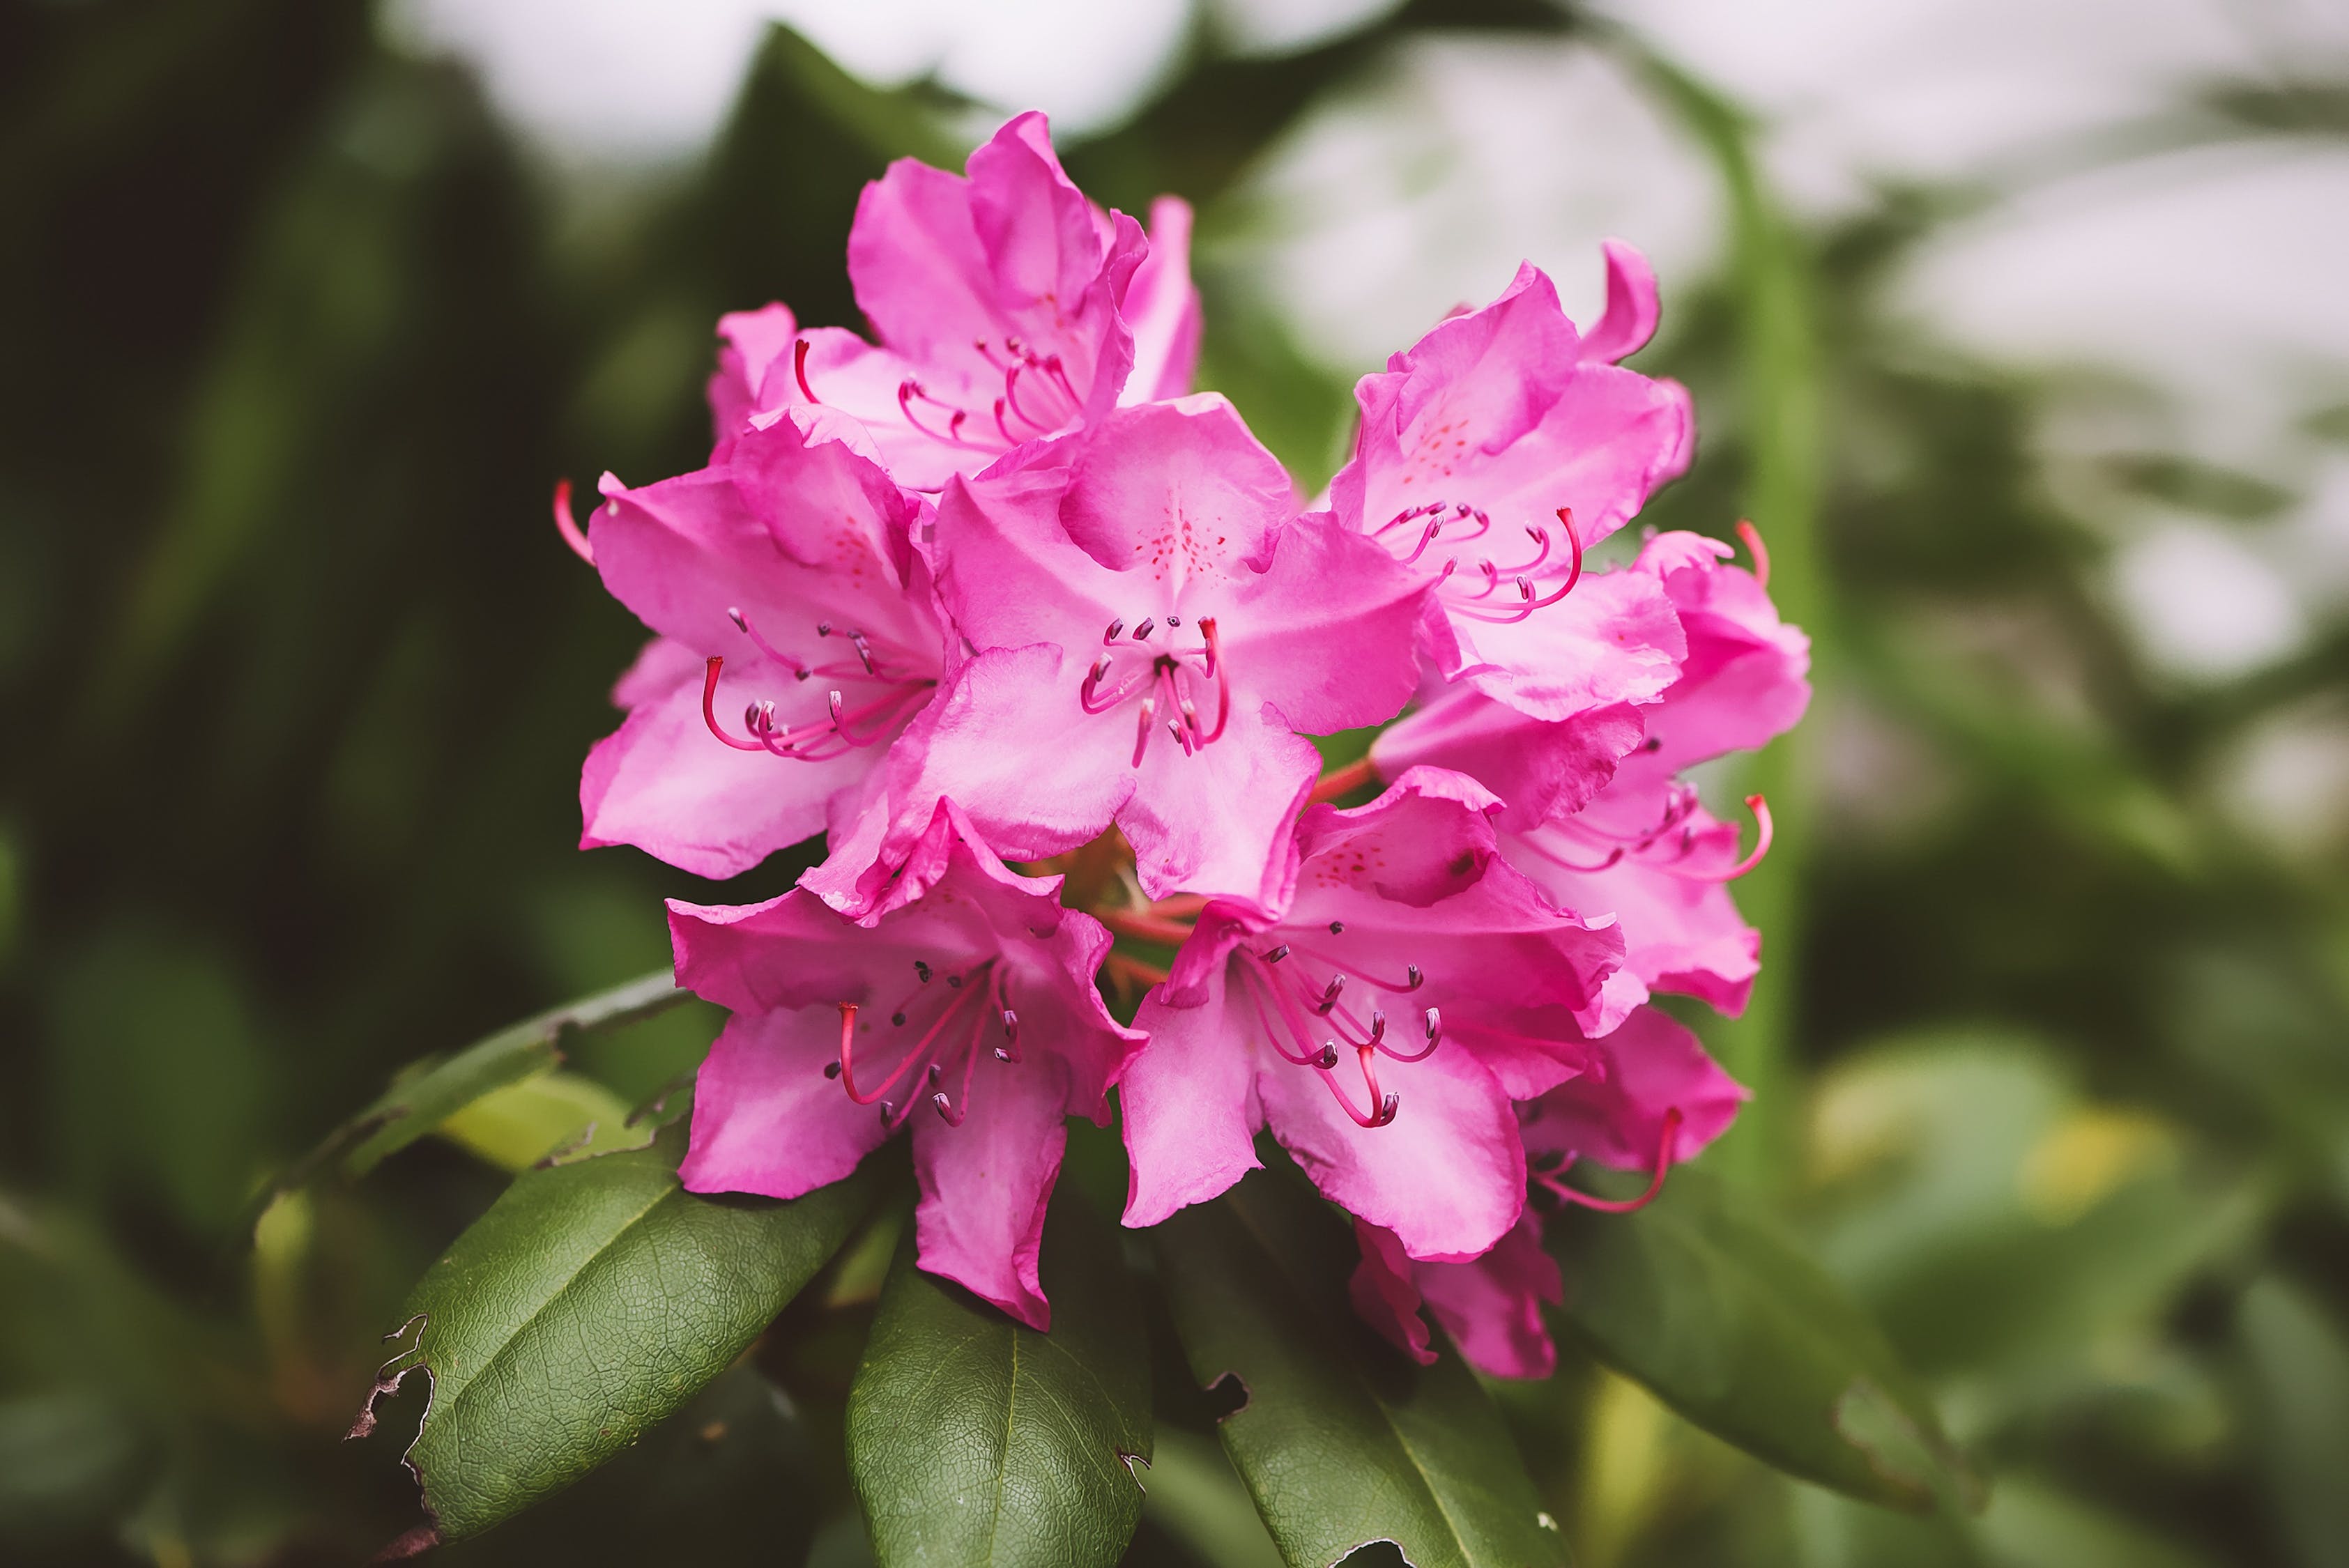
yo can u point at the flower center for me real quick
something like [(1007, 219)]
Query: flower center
[(1167, 683), (952, 1020), (1481, 590)]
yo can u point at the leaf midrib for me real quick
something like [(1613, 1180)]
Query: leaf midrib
[(1420, 1470)]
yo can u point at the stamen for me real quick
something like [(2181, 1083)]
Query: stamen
[(1623, 1205), (1276, 954), (1009, 438), (863, 652), (709, 712), (1009, 1053), (1434, 1024), (1763, 835), (1573, 574), (742, 625), (1141, 729), (1114, 628), (799, 369), (1223, 674), (1754, 545), (1330, 994), (1142, 632), (947, 1111), (1336, 928), (567, 525), (1385, 1106)]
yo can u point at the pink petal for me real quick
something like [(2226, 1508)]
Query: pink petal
[(1384, 1295), (753, 341), (1162, 308), (1327, 633), (1189, 1104), (1616, 638), (985, 1184), (1179, 498), (1447, 1175), (1541, 768), (1632, 310), (1217, 821), (1492, 1306), (1653, 1065), (765, 1119)]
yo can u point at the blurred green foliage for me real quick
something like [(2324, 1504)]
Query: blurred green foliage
[(295, 683)]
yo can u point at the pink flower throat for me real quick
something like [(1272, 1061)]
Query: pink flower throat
[(950, 1038), (1168, 682), (891, 694)]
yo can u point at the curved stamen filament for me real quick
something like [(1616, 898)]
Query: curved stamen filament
[(568, 524), (1413, 979), (1764, 833), (709, 709), (1623, 1205), (1324, 1058), (1383, 1107), (798, 370), (1754, 547), (742, 625), (1222, 671)]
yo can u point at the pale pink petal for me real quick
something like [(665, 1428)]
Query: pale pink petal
[(765, 1119), (1616, 638), (1178, 497), (1189, 1105), (1163, 309)]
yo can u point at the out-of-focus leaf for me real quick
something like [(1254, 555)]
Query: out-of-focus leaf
[(1198, 1498), (2030, 1524), (517, 1126), (975, 1439), (1724, 1319), (70, 1462), (1998, 1224), (2300, 1373), (161, 1076), (427, 1094), (1342, 1439), (591, 1302)]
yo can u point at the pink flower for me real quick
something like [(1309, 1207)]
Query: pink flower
[(1379, 1014), (1649, 1099), (1492, 454), (788, 560), (1597, 812), (1154, 626), (1006, 306), (971, 1013)]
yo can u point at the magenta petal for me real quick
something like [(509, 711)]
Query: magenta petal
[(1384, 1296), (1652, 1064), (1540, 767), (753, 341), (1492, 1306), (765, 1119), (1217, 821), (1327, 633), (1181, 495), (1163, 309), (986, 1184), (1616, 638), (1189, 1104), (1631, 309)]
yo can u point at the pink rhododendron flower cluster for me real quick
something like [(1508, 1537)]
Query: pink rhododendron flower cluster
[(996, 585)]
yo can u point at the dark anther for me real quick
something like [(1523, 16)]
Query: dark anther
[(1278, 953), (1336, 928), (831, 1069), (888, 1111), (1410, 972), (923, 970), (823, 628), (1653, 743), (1142, 632), (1114, 628), (1174, 620), (899, 1019), (937, 1074), (1328, 1058), (953, 982)]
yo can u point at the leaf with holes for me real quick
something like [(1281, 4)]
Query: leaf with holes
[(975, 1439), (591, 1301), (1728, 1323), (1341, 1438)]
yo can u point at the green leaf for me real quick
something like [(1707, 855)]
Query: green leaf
[(423, 1097), (590, 1302), (975, 1439), (1342, 1440), (1725, 1321), (516, 1126)]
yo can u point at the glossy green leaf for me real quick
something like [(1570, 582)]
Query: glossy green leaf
[(589, 1303), (1725, 1320), (1342, 1439), (975, 1439)]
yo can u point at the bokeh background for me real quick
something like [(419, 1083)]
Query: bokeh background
[(2020, 326)]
